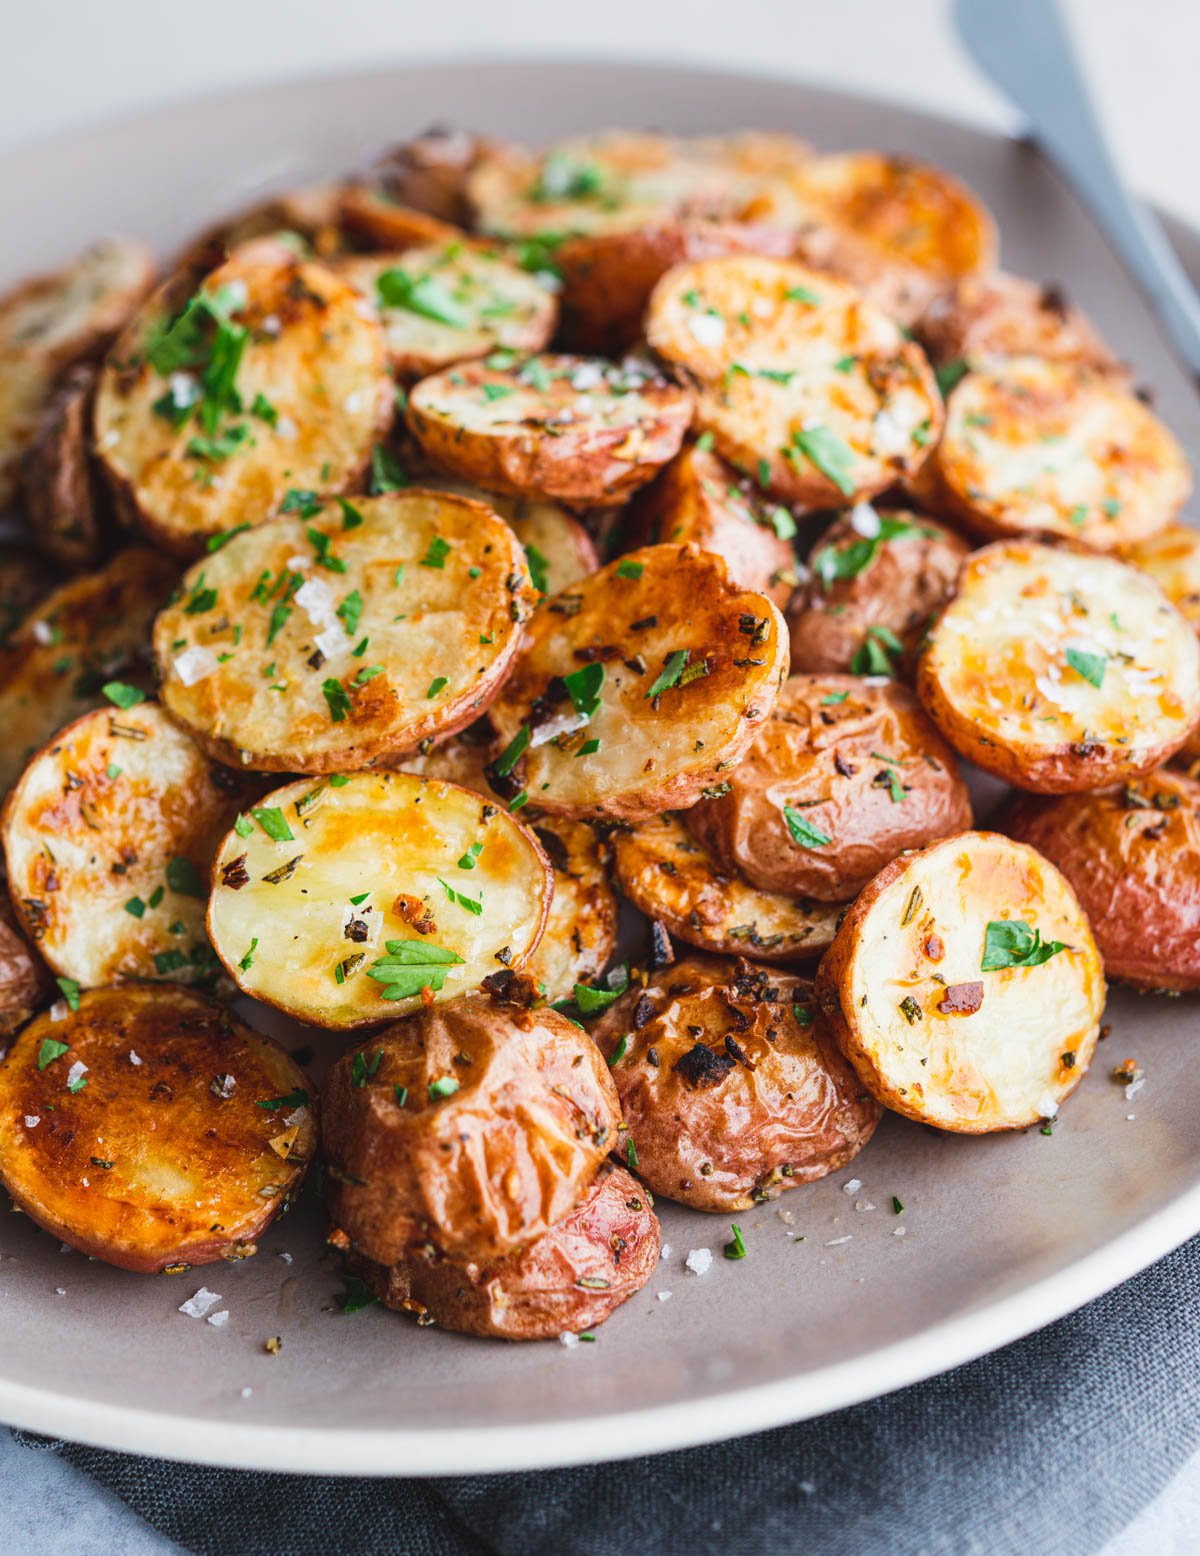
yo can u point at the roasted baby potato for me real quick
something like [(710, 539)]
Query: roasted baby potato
[(1172, 558), (1042, 447), (800, 379), (1133, 856), (311, 212), (448, 302), (148, 1127), (843, 776), (347, 902), (25, 983), (344, 630), (999, 315), (1059, 671), (93, 630), (49, 323), (900, 230), (731, 1086), (675, 881), (577, 429), (25, 579), (65, 503), (700, 500), (109, 837), (875, 581), (938, 994), (571, 1278), (423, 177), (640, 687), (471, 1126), (269, 379)]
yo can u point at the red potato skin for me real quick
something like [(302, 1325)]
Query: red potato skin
[(69, 519), (571, 1278), (1132, 855)]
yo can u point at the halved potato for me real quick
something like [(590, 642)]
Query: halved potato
[(570, 1279), (700, 500), (109, 837), (25, 982), (800, 379), (270, 378), (65, 503), (379, 222), (731, 1086), (1001, 315), (843, 776), (448, 302), (874, 582), (939, 993), (900, 230), (1172, 558), (637, 689), (348, 901), (675, 881), (423, 176), (1040, 447), (472, 1126), (323, 640), (578, 429), (1057, 670), (1133, 856), (24, 580), (150, 1128), (49, 323), (93, 630), (312, 212)]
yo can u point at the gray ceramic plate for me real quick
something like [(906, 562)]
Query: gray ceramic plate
[(1001, 1234)]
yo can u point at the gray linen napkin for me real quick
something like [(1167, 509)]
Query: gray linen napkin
[(1050, 1446)]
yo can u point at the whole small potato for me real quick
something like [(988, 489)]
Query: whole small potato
[(845, 775), (570, 1278), (1133, 856), (732, 1088), (472, 1125), (875, 581)]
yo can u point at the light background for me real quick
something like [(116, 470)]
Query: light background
[(71, 62)]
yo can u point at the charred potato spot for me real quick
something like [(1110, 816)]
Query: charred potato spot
[(1132, 855), (921, 1044), (1058, 671), (108, 839), (1035, 446), (1002, 315), (24, 581), (571, 1278), (875, 581), (675, 881), (731, 1086), (352, 900), (577, 429), (468, 1126), (640, 687), (799, 378), (348, 631), (270, 378), (843, 776), (116, 1137), (90, 631)]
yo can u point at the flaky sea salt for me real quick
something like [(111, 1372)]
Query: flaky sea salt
[(134, 1059), (852, 1186), (32, 1120), (707, 328), (699, 1261), (836, 1242), (569, 1340), (75, 1074), (664, 1296), (199, 1303), (665, 1251), (219, 1320), (195, 664)]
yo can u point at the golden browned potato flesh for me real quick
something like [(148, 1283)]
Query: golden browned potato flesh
[(1041, 447), (731, 1086), (25, 982), (270, 378), (448, 302), (640, 687), (700, 500), (92, 631), (350, 900), (1001, 315), (845, 774), (52, 321), (109, 837), (25, 579), (1057, 670), (1172, 558), (148, 1127), (1133, 856), (580, 430), (473, 1126), (801, 381), (345, 630), (965, 987), (64, 502), (570, 1279), (678, 883)]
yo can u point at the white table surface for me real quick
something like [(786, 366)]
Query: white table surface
[(78, 61)]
